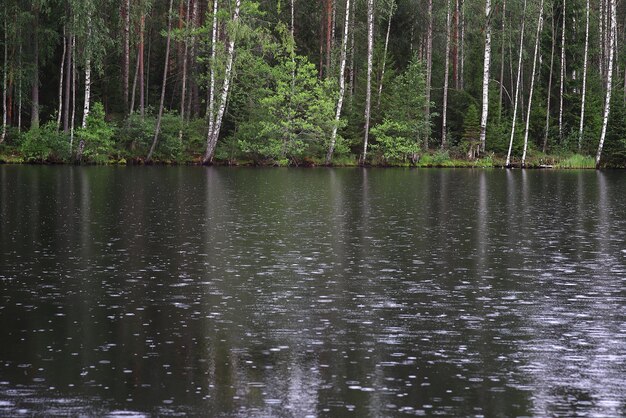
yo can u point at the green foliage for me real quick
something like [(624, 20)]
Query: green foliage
[(137, 133), (45, 144), (293, 113), (97, 136), (395, 141), (397, 137), (471, 129)]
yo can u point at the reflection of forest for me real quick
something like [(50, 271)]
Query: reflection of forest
[(248, 292)]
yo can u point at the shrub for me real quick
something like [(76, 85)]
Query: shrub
[(97, 137), (45, 144)]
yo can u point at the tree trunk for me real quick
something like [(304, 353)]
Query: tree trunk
[(609, 86), (134, 89), (87, 103), (584, 96), (125, 12), (34, 118), (19, 84), (444, 128), (193, 86), (532, 82), (517, 88), (502, 62), (183, 89), (382, 72), (73, 93), (157, 130), (455, 46), (486, 67), (547, 131), (462, 48), (211, 102), (329, 22), (212, 142), (370, 64), (68, 84), (61, 78), (601, 28), (142, 99), (429, 68), (352, 69), (342, 83), (562, 89), (4, 78)]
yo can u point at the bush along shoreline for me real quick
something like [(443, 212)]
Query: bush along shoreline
[(127, 142)]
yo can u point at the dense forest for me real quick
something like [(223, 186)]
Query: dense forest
[(295, 82)]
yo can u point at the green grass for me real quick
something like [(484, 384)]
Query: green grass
[(577, 161)]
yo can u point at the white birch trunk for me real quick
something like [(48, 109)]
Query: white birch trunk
[(211, 105), (517, 88), (584, 96), (609, 86), (532, 83), (87, 104), (210, 153), (486, 67), (601, 27), (446, 80), (157, 130), (87, 92), (342, 84), (60, 107), (370, 64), (382, 72), (562, 89)]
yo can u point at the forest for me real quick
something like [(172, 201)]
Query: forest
[(525, 83)]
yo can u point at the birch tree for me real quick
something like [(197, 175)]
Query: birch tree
[(370, 64), (446, 77), (486, 67), (609, 85), (165, 68), (86, 105), (584, 93), (215, 127), (532, 82), (342, 84), (517, 88)]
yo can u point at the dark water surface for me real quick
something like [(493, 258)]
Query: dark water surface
[(365, 293)]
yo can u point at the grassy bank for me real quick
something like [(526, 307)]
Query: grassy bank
[(437, 159)]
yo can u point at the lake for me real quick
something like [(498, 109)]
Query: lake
[(137, 291)]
